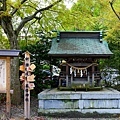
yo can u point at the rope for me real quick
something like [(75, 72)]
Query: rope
[(78, 68)]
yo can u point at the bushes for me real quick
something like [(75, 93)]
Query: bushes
[(2, 98)]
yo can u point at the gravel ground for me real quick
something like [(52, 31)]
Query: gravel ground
[(17, 113)]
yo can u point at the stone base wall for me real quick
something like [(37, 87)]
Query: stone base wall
[(105, 101)]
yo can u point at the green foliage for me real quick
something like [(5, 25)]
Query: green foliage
[(113, 38), (113, 34), (4, 43), (46, 67), (114, 60), (24, 43), (87, 15)]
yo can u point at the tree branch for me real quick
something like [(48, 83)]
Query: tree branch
[(112, 1), (3, 7), (23, 22), (111, 4), (16, 9), (29, 18)]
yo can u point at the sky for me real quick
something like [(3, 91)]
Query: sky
[(69, 3)]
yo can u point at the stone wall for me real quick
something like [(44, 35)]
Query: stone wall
[(105, 101)]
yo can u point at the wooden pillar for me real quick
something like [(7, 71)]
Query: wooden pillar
[(71, 78), (88, 77), (59, 81), (8, 99), (51, 68), (93, 70), (66, 75)]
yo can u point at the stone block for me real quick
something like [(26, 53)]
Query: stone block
[(119, 103), (100, 104), (59, 95), (100, 95), (41, 104), (110, 111), (80, 104), (58, 110), (60, 104)]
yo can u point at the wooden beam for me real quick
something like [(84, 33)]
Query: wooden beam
[(8, 99)]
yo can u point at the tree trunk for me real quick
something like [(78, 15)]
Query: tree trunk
[(6, 24), (15, 83)]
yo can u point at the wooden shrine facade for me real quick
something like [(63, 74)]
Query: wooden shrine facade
[(83, 73), (79, 53)]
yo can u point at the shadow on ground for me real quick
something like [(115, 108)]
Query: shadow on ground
[(80, 115)]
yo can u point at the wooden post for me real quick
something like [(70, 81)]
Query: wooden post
[(8, 99), (88, 77), (26, 90), (66, 75), (71, 78), (93, 75), (60, 81), (27, 84)]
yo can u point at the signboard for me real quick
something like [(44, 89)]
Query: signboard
[(5, 74), (2, 74)]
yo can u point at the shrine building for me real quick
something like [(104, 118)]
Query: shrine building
[(79, 53)]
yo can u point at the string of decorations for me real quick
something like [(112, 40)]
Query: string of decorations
[(80, 70)]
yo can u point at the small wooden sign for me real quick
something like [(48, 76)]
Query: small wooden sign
[(22, 68), (32, 67), (31, 78), (31, 86), (22, 77)]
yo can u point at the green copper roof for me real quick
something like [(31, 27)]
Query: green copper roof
[(79, 44)]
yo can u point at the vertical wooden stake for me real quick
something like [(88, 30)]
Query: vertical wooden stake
[(27, 91), (25, 103), (8, 99)]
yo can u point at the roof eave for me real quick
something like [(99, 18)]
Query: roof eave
[(81, 55), (9, 53)]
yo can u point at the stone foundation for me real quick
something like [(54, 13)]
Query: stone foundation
[(104, 101)]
